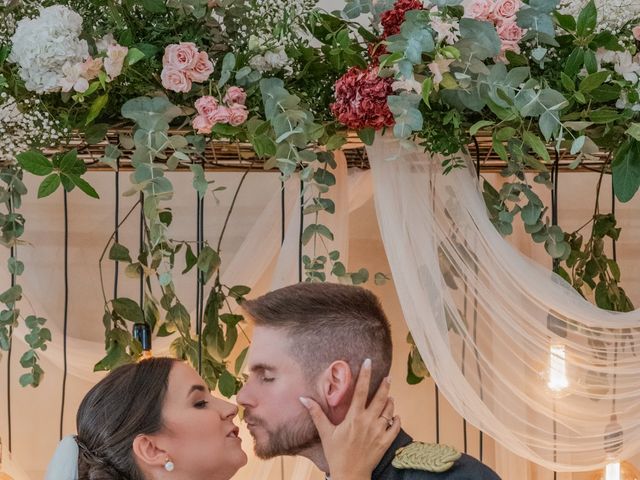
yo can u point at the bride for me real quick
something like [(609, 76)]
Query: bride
[(157, 420)]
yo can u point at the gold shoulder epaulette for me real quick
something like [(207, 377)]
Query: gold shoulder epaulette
[(431, 457)]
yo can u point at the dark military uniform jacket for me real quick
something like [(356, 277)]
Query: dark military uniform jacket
[(465, 468)]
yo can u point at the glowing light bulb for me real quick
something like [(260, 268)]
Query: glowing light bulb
[(557, 368), (612, 471)]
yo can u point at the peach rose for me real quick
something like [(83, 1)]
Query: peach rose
[(505, 9), (235, 96), (636, 32), (478, 9), (507, 46), (115, 60), (510, 31), (221, 115), (91, 68), (180, 56), (238, 115), (206, 106), (202, 69), (202, 124), (175, 80)]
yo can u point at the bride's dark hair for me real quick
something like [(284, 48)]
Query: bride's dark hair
[(126, 403)]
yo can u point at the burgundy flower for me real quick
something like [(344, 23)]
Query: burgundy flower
[(361, 99), (392, 19)]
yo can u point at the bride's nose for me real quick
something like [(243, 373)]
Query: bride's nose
[(228, 410)]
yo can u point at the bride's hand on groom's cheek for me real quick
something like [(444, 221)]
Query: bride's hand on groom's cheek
[(354, 447)]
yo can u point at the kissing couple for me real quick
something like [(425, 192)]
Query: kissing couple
[(318, 386)]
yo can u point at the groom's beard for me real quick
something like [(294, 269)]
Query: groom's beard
[(291, 438)]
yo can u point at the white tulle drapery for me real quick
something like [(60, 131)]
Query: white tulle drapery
[(514, 349)]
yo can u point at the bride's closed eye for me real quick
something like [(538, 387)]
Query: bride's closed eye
[(267, 379), (201, 404)]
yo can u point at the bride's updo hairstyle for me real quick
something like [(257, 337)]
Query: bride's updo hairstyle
[(126, 403)]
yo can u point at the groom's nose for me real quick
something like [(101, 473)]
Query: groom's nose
[(244, 397)]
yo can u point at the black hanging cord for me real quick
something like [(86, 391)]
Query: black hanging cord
[(13, 283), (477, 145), (301, 230), (282, 235), (613, 212), (282, 211), (199, 276), (14, 250), (437, 413), (464, 345), (66, 308), (556, 263), (464, 349), (554, 199), (141, 249), (475, 319), (116, 227)]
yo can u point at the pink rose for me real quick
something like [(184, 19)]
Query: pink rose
[(175, 80), (238, 115), (507, 45), (115, 60), (202, 69), (505, 9), (206, 106), (221, 115), (510, 31), (235, 96), (91, 68), (180, 56), (478, 9), (202, 124), (636, 32)]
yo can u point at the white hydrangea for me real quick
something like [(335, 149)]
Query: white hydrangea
[(275, 59), (24, 128), (612, 14), (42, 46)]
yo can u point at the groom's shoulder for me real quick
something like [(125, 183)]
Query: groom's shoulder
[(410, 466), (465, 468)]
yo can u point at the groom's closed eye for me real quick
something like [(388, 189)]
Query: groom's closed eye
[(263, 372)]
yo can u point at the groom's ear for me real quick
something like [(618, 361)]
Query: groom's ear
[(147, 451), (337, 384)]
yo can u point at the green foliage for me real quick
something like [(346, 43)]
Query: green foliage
[(12, 189), (64, 169), (589, 269)]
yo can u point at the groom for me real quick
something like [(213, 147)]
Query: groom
[(310, 340)]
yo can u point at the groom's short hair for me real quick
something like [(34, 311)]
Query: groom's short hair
[(326, 322)]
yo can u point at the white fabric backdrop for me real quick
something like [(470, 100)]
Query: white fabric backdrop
[(484, 335)]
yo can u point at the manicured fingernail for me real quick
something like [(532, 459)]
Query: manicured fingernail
[(305, 401), (367, 363)]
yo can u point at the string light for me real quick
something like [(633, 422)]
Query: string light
[(612, 471), (617, 470), (557, 381)]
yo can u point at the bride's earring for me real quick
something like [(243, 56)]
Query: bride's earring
[(168, 465)]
